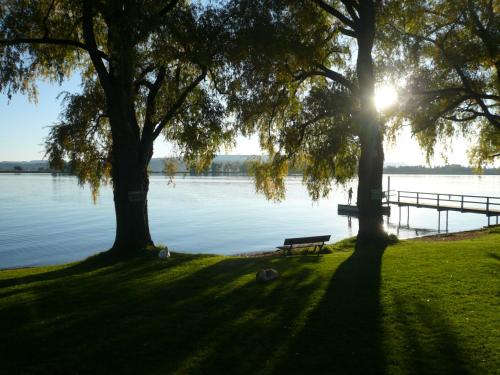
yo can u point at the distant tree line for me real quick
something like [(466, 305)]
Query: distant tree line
[(453, 169), (32, 167), (235, 168), (215, 168), (246, 167)]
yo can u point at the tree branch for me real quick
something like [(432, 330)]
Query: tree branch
[(439, 92), (154, 88), (478, 113), (46, 18), (455, 91), (486, 37), (178, 103), (352, 8), (53, 41), (89, 37), (348, 32), (455, 118), (335, 12), (323, 71), (337, 77), (465, 81), (467, 86)]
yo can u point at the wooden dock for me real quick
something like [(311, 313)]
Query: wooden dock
[(475, 204), (443, 207), (351, 210)]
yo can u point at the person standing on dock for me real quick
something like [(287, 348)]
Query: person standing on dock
[(349, 199)]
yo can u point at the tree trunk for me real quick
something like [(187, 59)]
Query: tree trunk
[(370, 134), (130, 189), (370, 184), (130, 159), (130, 154)]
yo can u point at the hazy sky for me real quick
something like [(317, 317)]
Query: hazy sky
[(24, 125)]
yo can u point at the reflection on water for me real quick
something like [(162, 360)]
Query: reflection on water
[(46, 219), (398, 228)]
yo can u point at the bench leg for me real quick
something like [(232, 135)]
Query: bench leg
[(320, 248)]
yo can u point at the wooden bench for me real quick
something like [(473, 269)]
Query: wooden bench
[(291, 243)]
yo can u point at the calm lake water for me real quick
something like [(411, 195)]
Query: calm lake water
[(48, 219)]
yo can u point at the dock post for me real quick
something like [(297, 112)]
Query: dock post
[(408, 217), (388, 189), (439, 221), (446, 221), (488, 209)]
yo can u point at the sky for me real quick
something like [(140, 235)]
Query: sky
[(24, 126)]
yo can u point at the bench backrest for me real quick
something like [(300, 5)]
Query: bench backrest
[(303, 240)]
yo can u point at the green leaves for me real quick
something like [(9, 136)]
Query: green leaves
[(294, 89), (37, 39), (83, 137), (147, 67), (451, 69)]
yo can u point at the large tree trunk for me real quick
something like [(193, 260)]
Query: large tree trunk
[(130, 159), (370, 184), (370, 134), (130, 153), (130, 189)]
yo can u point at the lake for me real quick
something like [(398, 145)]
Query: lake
[(49, 219)]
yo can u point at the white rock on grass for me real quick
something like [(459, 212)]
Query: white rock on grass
[(164, 254), (268, 274)]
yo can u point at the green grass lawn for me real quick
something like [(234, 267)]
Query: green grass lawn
[(419, 307)]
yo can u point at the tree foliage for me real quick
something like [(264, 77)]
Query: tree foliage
[(296, 89), (173, 60), (450, 63), (299, 88)]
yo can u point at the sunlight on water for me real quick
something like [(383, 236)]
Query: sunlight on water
[(48, 220)]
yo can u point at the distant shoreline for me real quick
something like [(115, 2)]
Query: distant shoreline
[(241, 165), (429, 172)]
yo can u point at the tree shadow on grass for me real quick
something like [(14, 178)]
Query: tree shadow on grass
[(428, 343), (131, 320), (101, 263), (344, 334), (209, 315), (238, 328), (494, 256)]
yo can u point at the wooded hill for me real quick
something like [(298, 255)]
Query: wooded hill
[(240, 164)]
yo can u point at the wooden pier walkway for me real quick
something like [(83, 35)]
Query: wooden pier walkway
[(476, 204), (350, 210)]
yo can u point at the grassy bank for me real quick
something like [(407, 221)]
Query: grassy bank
[(418, 307)]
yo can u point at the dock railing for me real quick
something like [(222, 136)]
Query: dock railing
[(388, 194), (440, 200)]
